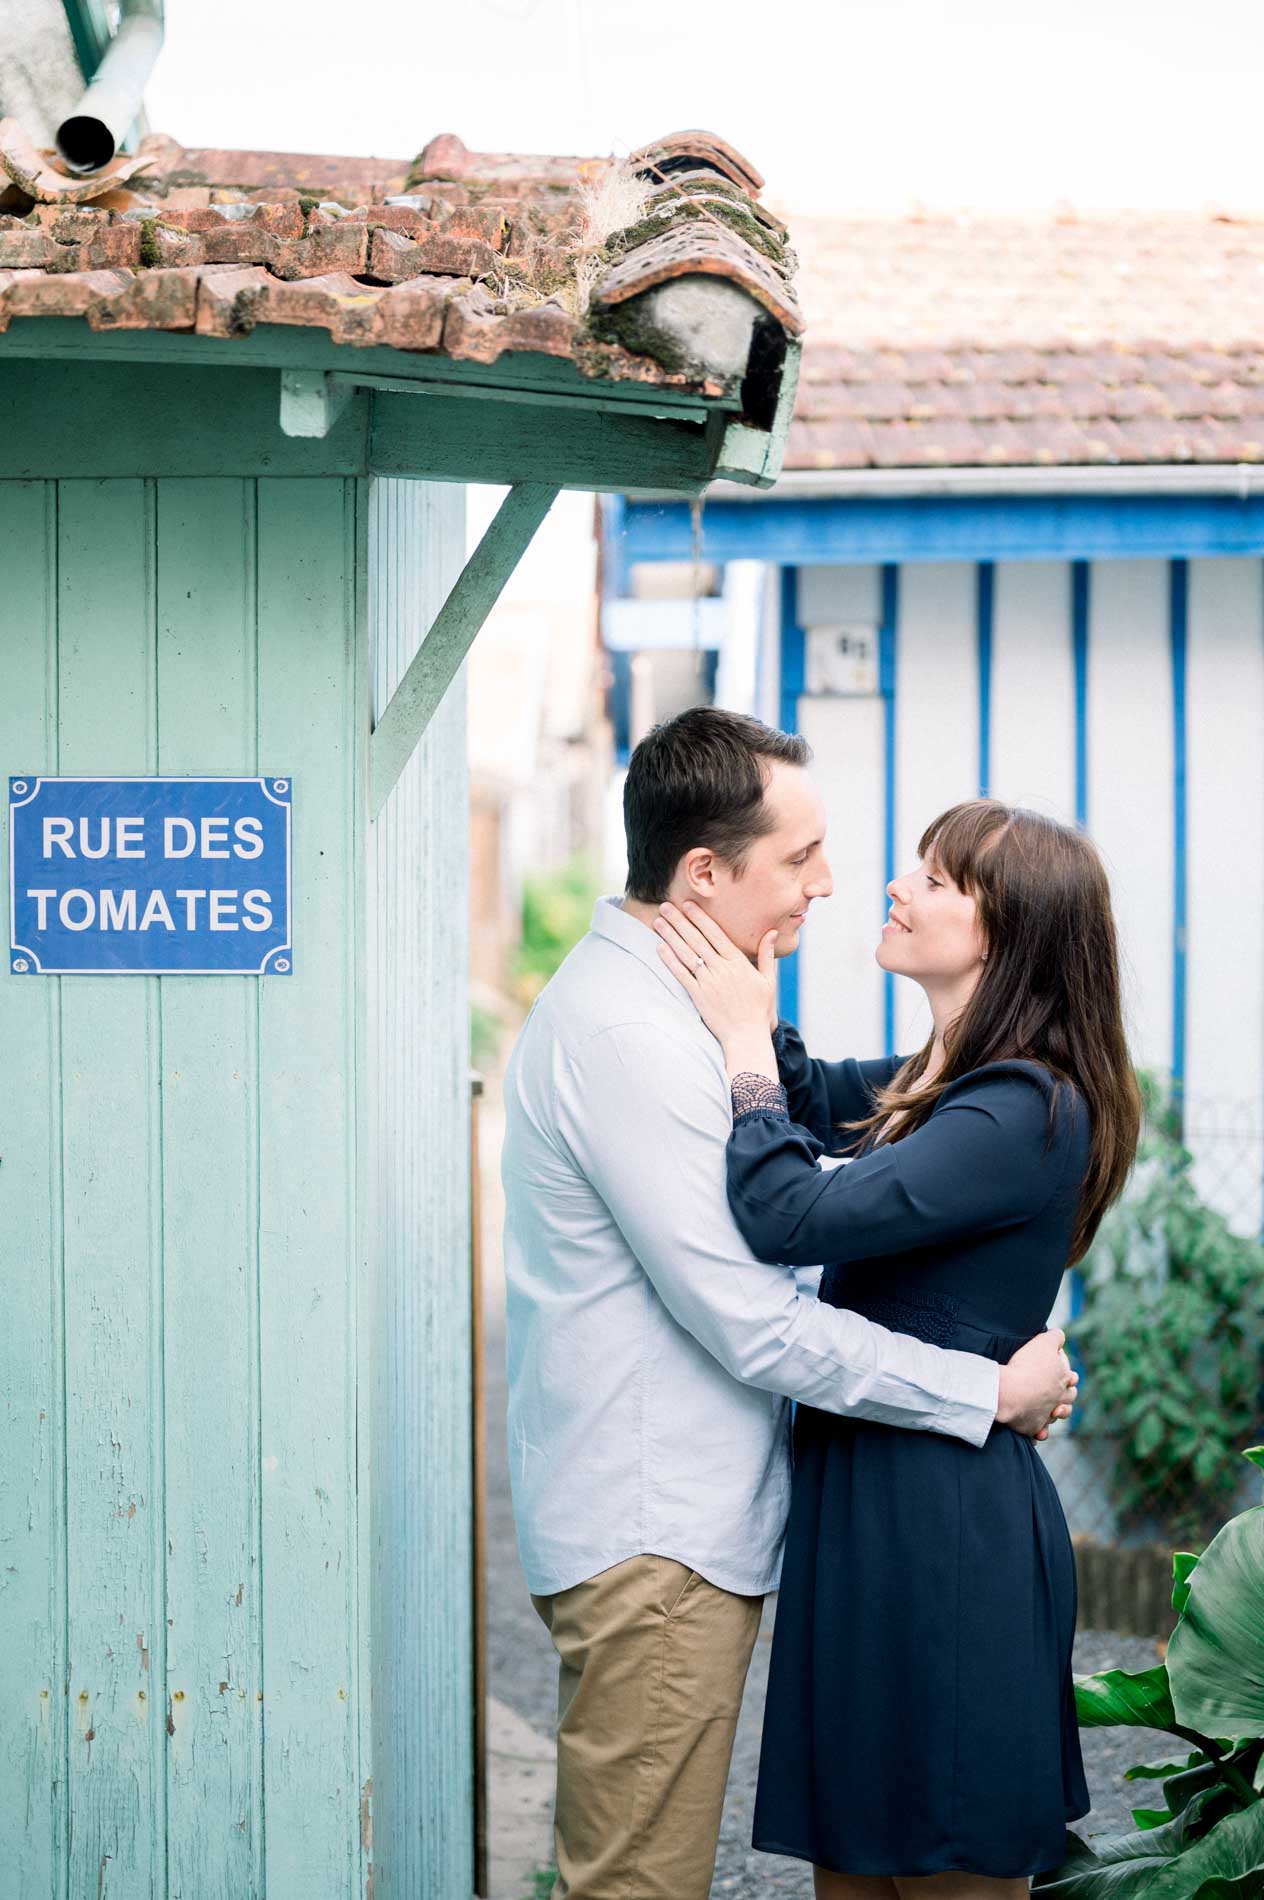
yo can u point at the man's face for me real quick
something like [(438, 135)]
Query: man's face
[(785, 870)]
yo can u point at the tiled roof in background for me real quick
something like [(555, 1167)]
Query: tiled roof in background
[(470, 254), (1037, 340)]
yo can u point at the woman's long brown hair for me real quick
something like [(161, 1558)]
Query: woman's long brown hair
[(1049, 991)]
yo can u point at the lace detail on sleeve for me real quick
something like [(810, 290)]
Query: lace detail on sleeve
[(756, 1095)]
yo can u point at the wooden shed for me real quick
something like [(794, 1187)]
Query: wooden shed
[(239, 395)]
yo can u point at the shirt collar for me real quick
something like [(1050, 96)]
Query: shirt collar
[(612, 922)]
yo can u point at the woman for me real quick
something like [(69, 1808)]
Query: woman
[(920, 1735)]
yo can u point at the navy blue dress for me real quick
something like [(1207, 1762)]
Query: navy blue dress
[(920, 1712)]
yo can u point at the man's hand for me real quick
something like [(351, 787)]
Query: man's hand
[(1037, 1386)]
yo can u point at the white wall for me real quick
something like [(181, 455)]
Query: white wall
[(1130, 803), (1130, 799), (1224, 1070), (1033, 687)]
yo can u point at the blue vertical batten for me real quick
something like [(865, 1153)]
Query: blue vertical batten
[(886, 686), (1079, 650), (793, 678), (985, 585), (614, 584), (1178, 620), (1079, 661)]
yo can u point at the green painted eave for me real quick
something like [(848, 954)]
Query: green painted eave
[(288, 347), (159, 404)]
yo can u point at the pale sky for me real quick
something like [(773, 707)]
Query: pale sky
[(838, 102)]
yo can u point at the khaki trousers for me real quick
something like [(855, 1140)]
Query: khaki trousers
[(653, 1663)]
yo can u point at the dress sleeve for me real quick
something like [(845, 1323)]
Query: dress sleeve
[(982, 1161), (819, 1094)]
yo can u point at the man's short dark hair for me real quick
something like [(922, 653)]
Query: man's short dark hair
[(698, 782)]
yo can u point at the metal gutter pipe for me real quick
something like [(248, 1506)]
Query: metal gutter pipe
[(89, 138), (1242, 479)]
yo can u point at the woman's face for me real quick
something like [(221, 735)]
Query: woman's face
[(932, 930)]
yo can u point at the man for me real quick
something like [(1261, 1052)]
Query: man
[(651, 1357)]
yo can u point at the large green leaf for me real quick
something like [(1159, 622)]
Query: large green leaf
[(1227, 1864), (1160, 1770), (1116, 1699), (1166, 1863), (1256, 1455), (1183, 1562), (1116, 1867), (1215, 1660)]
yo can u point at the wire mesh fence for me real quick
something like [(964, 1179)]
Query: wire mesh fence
[(1166, 1322)]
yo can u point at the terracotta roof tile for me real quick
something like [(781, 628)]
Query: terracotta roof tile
[(700, 249), (685, 150), (471, 253), (1040, 339)]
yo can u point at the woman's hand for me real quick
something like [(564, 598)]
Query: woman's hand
[(735, 998)]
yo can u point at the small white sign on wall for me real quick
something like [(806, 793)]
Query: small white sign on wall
[(841, 661)]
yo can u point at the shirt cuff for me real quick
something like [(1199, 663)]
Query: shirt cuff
[(971, 1412)]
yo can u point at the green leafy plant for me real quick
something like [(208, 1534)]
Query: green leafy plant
[(1207, 1841), (557, 909), (1172, 1330)]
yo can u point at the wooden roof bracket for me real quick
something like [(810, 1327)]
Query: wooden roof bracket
[(434, 665), (312, 401)]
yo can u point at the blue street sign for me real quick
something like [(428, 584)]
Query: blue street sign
[(187, 876)]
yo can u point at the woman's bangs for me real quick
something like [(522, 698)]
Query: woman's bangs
[(959, 837)]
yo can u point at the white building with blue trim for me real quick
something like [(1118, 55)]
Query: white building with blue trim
[(1018, 549)]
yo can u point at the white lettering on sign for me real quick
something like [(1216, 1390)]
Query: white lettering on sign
[(170, 848), (117, 910), (97, 837), (249, 837), (209, 838), (125, 838), (157, 911), (77, 897)]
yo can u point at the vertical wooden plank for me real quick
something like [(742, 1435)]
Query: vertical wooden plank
[(307, 1227), (1130, 784), (1224, 1068), (937, 727), (419, 1057), (840, 985), (32, 1450), (478, 1475), (214, 1713), (840, 595), (1033, 688), (111, 1157)]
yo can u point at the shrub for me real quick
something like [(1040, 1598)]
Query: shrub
[(557, 909), (1172, 1338)]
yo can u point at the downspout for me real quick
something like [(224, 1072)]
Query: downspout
[(89, 138)]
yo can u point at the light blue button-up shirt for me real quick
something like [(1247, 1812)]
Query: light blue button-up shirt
[(651, 1356)]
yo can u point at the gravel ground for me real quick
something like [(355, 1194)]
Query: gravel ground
[(523, 1668)]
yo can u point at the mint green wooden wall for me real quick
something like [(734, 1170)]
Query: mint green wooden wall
[(233, 1228)]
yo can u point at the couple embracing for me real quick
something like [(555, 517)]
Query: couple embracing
[(703, 1222)]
